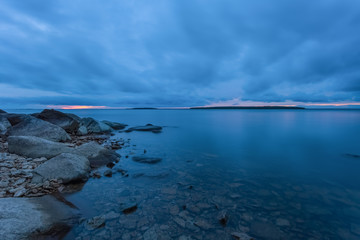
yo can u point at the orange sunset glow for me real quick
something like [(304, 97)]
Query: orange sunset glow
[(76, 107)]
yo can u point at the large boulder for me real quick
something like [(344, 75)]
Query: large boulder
[(66, 167), (94, 126), (2, 111), (32, 126), (35, 147), (69, 124), (115, 125), (97, 154), (4, 124), (15, 118), (24, 218)]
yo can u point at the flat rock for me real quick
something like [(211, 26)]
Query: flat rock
[(35, 147), (66, 167), (115, 125), (22, 217), (148, 160), (146, 128), (94, 126), (32, 126), (97, 154), (128, 207), (66, 122)]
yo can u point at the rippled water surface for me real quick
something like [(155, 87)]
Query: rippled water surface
[(276, 174)]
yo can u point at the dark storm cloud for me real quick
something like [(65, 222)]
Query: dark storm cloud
[(178, 53)]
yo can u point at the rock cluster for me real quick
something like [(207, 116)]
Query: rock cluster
[(42, 152)]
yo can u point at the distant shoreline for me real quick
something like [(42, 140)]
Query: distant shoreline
[(247, 107)]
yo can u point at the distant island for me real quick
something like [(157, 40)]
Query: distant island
[(248, 107), (142, 108)]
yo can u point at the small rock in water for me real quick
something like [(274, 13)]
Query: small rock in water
[(108, 173), (241, 236), (223, 218), (110, 165), (128, 207), (282, 222), (148, 160), (95, 222)]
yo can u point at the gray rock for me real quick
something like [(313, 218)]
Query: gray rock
[(76, 117), (146, 128), (115, 125), (69, 124), (4, 124), (66, 167), (148, 160), (94, 126), (21, 217), (82, 131), (20, 192), (36, 147), (108, 173), (97, 154), (32, 126)]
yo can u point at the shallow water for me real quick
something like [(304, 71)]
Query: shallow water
[(278, 174)]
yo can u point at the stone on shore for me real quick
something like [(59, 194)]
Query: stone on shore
[(21, 218), (97, 154), (115, 125), (4, 124), (69, 124), (2, 111), (66, 167), (35, 147), (32, 126), (146, 128), (94, 126), (82, 131)]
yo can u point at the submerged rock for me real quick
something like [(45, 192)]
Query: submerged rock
[(115, 125), (32, 126), (66, 167), (97, 154), (21, 217), (36, 147), (241, 236), (146, 128), (148, 160), (94, 126), (95, 222), (128, 207), (69, 124)]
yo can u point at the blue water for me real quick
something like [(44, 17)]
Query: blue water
[(278, 174)]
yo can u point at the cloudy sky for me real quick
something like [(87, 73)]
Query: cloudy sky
[(176, 53)]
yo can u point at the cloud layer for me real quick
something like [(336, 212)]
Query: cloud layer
[(178, 53)]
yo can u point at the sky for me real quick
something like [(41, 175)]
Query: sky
[(179, 53)]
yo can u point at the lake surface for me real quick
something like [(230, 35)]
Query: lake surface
[(276, 174)]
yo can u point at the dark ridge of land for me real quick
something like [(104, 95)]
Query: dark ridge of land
[(143, 108), (247, 107)]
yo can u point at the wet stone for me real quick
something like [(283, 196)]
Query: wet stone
[(241, 236), (128, 207), (282, 222)]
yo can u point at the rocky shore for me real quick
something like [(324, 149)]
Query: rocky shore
[(48, 153)]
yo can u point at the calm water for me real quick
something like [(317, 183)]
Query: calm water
[(278, 174)]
